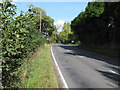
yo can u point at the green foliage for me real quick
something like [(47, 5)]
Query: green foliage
[(94, 9), (20, 38), (66, 36), (98, 24), (39, 72), (47, 23), (48, 28)]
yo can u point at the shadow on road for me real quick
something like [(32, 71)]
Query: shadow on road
[(112, 76), (75, 51)]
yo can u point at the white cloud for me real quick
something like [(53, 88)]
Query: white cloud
[(59, 24)]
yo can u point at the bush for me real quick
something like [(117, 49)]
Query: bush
[(20, 38)]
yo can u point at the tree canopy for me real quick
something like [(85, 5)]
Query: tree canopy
[(98, 24)]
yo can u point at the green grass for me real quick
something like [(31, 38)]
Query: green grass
[(39, 72)]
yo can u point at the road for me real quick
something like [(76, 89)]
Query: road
[(82, 69)]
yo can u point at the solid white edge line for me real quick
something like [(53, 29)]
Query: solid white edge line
[(63, 80)]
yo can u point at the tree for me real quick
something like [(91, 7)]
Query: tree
[(98, 24), (47, 23), (85, 25), (64, 34), (94, 9), (111, 18)]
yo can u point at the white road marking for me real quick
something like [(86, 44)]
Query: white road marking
[(63, 80), (80, 56), (68, 50), (113, 72)]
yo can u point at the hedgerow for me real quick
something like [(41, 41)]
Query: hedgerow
[(20, 38)]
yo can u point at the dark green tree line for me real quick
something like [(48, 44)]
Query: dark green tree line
[(98, 24)]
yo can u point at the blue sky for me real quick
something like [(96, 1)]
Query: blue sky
[(65, 11), (60, 11)]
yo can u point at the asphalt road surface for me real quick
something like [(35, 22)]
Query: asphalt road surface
[(82, 69)]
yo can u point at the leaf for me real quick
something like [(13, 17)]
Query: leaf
[(22, 46), (23, 30)]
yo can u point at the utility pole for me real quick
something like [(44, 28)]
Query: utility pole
[(40, 19)]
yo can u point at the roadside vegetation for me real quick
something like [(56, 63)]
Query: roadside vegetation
[(96, 29), (66, 36), (20, 37), (38, 71)]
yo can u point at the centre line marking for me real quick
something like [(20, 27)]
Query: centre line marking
[(113, 72), (80, 56)]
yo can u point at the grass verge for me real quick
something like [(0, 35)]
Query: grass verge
[(38, 72)]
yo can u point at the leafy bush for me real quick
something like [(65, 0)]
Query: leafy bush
[(20, 38)]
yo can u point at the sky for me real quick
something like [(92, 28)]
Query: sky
[(60, 11), (65, 11)]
